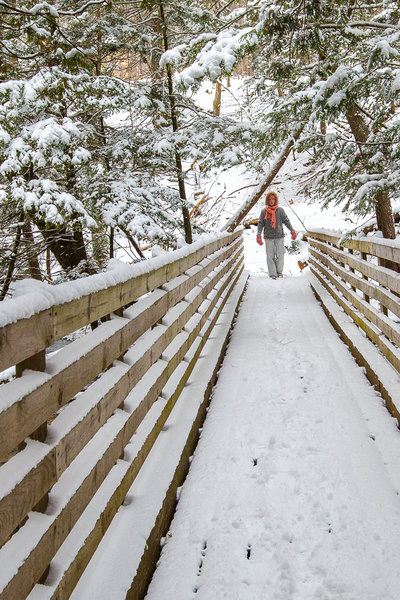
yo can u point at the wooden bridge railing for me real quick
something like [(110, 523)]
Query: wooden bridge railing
[(68, 417), (363, 278)]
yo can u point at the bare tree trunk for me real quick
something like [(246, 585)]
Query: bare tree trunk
[(358, 127), (132, 241), (383, 207), (217, 99), (34, 267), (253, 199), (99, 245), (385, 223), (68, 248), (384, 215), (111, 242), (12, 261), (48, 264), (174, 120)]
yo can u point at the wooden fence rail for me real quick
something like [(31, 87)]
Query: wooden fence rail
[(351, 271), (68, 418)]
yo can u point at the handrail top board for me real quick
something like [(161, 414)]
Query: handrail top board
[(34, 397), (96, 296), (383, 275), (380, 247)]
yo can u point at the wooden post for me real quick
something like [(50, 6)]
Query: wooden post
[(364, 257), (351, 251), (217, 99), (339, 262), (220, 272), (37, 362), (384, 263), (119, 312)]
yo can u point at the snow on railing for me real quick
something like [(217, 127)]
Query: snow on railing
[(61, 430)]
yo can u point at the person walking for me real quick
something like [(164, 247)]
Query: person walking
[(271, 221)]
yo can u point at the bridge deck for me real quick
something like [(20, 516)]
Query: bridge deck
[(293, 491)]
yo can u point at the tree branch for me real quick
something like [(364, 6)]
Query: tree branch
[(237, 218)]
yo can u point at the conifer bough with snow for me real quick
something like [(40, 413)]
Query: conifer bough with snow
[(330, 69), (87, 155)]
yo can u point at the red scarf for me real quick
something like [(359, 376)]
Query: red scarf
[(270, 214)]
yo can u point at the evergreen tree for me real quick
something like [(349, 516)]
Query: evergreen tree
[(81, 149), (338, 71), (329, 69)]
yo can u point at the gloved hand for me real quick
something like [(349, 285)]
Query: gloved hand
[(293, 234), (259, 240)]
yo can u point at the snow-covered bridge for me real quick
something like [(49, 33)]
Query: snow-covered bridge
[(293, 491)]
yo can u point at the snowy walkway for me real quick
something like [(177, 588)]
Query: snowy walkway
[(293, 490)]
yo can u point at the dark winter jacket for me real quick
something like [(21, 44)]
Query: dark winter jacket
[(269, 231)]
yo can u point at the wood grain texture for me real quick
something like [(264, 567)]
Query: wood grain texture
[(42, 476), (378, 293), (389, 351), (388, 252), (33, 409), (26, 337), (25, 496), (385, 277)]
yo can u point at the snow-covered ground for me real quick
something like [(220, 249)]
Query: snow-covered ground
[(293, 490)]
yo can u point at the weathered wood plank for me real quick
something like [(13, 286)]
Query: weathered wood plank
[(73, 315), (376, 370), (20, 501), (385, 277), (391, 353), (386, 252), (29, 412), (151, 551), (63, 522), (63, 386), (380, 294), (386, 325), (75, 439), (72, 574), (26, 337), (374, 248)]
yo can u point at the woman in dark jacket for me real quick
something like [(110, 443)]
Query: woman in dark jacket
[(271, 221)]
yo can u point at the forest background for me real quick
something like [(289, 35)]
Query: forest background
[(103, 142)]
